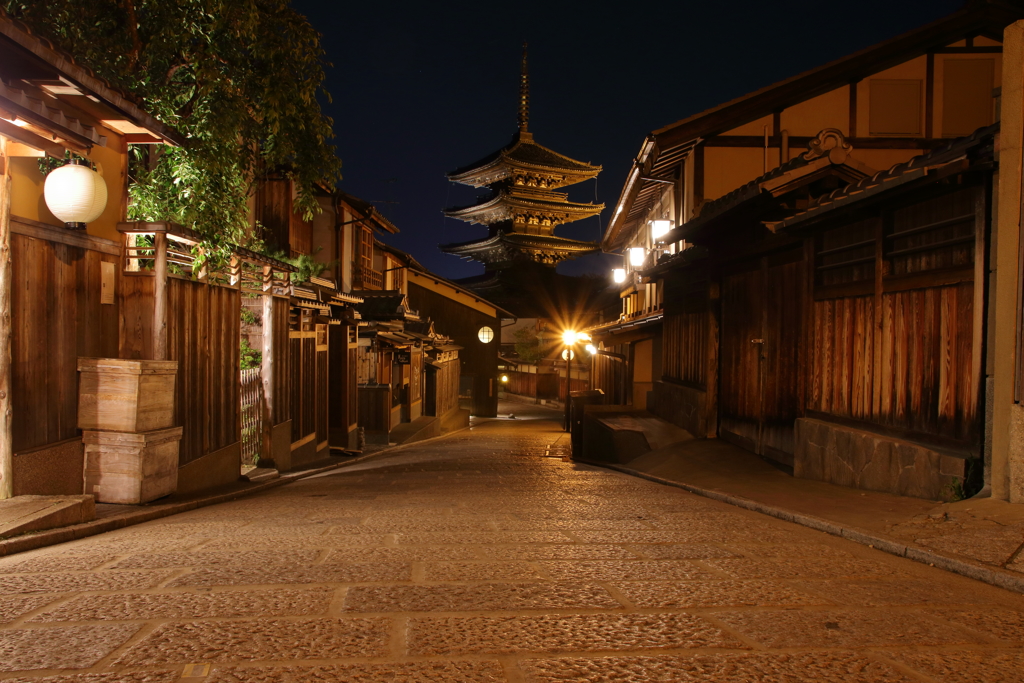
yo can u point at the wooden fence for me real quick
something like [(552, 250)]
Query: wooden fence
[(203, 335)]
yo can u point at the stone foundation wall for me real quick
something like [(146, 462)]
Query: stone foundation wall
[(847, 456), (682, 406)]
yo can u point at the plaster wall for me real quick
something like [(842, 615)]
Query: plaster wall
[(1007, 471), (808, 118), (111, 163)]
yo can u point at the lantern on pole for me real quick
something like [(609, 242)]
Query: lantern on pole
[(75, 194)]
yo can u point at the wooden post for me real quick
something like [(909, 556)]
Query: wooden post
[(267, 367), (6, 414), (160, 296)]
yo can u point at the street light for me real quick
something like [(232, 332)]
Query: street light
[(660, 228), (619, 275), (569, 338)]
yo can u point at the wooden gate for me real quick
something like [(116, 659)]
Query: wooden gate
[(252, 416), (762, 326)]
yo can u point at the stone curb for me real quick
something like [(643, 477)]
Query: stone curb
[(988, 575), (42, 539)]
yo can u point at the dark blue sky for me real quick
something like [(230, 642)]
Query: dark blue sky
[(421, 88)]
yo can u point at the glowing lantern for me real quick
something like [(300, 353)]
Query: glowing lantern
[(485, 334), (637, 256), (660, 228), (75, 194)]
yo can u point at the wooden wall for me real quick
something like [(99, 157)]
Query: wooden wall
[(56, 317), (904, 354), (303, 384), (447, 387), (684, 345), (203, 332), (608, 373)]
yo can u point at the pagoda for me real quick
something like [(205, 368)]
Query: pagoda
[(522, 209)]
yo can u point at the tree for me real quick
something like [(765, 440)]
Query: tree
[(240, 78)]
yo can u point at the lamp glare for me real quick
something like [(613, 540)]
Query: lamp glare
[(637, 256), (619, 275)]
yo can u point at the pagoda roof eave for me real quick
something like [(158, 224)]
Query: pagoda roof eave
[(524, 152), (512, 201), (503, 167), (547, 242)]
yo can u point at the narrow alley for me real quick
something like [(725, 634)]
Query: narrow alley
[(487, 556)]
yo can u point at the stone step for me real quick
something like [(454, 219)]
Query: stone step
[(22, 514)]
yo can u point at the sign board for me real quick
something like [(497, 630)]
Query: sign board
[(568, 354), (403, 357)]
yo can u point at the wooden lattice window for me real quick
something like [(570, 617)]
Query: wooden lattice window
[(846, 255), (932, 235), (365, 248)]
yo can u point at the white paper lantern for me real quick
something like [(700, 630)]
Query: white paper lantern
[(75, 194)]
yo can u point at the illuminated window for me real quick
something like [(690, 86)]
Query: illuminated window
[(485, 334)]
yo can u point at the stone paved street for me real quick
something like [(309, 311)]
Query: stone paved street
[(485, 556)]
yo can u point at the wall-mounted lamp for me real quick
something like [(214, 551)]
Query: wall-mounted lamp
[(75, 194), (637, 256), (660, 228), (591, 349), (619, 275)]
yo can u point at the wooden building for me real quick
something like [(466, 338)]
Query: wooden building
[(60, 289), (849, 348)]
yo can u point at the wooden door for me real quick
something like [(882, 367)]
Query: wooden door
[(762, 327)]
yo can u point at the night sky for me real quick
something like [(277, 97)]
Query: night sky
[(422, 88)]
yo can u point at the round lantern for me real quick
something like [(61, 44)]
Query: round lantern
[(75, 194)]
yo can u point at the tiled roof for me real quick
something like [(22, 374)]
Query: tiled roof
[(912, 169)]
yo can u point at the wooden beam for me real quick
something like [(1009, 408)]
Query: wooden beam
[(160, 296), (929, 95), (267, 366), (6, 413), (27, 137)]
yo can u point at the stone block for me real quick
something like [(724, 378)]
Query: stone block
[(52, 470), (684, 407), (862, 459)]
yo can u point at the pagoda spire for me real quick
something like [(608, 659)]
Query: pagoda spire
[(524, 95)]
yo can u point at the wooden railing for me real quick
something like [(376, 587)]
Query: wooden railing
[(367, 278)]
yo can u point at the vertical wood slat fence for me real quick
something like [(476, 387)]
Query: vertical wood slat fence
[(252, 415)]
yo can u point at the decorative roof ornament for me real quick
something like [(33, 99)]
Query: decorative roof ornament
[(829, 142), (524, 95)]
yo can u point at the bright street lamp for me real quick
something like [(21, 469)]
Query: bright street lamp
[(570, 337), (660, 228)]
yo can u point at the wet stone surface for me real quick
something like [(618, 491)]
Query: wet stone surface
[(475, 559)]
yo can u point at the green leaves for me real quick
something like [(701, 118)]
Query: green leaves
[(240, 78)]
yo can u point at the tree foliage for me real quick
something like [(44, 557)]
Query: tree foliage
[(528, 346), (240, 78)]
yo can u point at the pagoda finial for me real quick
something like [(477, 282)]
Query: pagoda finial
[(524, 95)]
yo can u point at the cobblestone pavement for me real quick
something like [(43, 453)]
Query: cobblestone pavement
[(485, 556)]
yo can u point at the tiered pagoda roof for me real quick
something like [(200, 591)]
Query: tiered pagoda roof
[(522, 210)]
